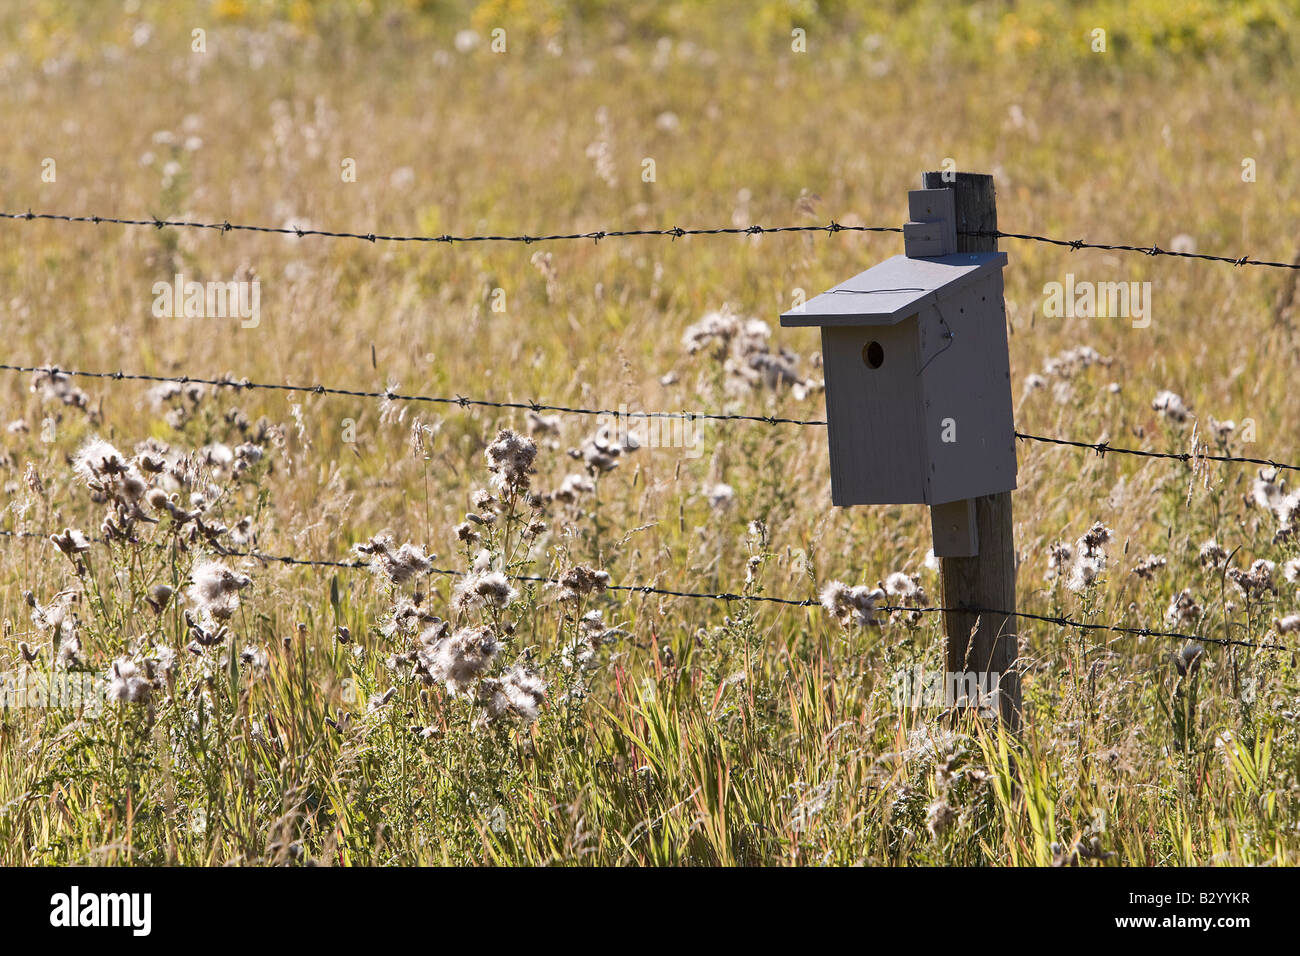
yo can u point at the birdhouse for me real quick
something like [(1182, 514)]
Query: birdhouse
[(918, 383)]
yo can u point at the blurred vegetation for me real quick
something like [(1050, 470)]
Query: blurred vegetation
[(1260, 33)]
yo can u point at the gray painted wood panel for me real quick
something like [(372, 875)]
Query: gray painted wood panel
[(875, 428), (954, 530), (935, 208), (966, 387)]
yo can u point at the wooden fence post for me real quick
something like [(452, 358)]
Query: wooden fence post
[(981, 642)]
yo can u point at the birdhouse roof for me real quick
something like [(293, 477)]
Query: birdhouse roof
[(893, 290)]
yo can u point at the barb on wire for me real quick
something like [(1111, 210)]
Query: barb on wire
[(729, 597)]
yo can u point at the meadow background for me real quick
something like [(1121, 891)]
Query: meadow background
[(674, 731)]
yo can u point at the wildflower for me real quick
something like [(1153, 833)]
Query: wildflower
[(593, 629), (215, 589), (907, 588), (1095, 538), (851, 604), (104, 470), (1059, 557), (1291, 571), (939, 817), (56, 385), (256, 660), (1171, 406), (69, 654), (57, 617), (510, 459), (715, 328), (245, 456), (1089, 558), (519, 692), (408, 616), (1067, 363), (900, 584), (573, 486), (71, 542), (125, 684), (1212, 553), (1188, 658), (1256, 581), (1222, 430), (1034, 382), (1288, 625), (483, 589), (538, 424), (398, 565), (376, 701), (242, 533), (1085, 571), (460, 659), (1183, 610), (580, 581), (720, 496), (465, 532), (1267, 489), (602, 450), (218, 456), (158, 598), (1148, 566), (163, 662), (749, 362)]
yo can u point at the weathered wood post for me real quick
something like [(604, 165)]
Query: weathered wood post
[(987, 579), (918, 409)]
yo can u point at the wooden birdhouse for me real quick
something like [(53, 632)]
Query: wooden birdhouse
[(918, 390)]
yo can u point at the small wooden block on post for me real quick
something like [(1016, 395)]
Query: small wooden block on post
[(954, 530), (933, 229)]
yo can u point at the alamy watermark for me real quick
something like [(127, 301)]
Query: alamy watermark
[(179, 299), (60, 690), (640, 430), (946, 690), (73, 909), (1083, 299)]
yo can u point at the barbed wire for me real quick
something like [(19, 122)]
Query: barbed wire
[(674, 232), (1105, 448), (1151, 250), (1101, 448), (396, 396), (730, 597)]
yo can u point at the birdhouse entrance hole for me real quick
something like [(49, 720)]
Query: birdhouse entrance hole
[(873, 354)]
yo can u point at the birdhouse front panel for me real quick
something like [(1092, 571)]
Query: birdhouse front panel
[(874, 414)]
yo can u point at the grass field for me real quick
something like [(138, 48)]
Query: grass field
[(267, 713)]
